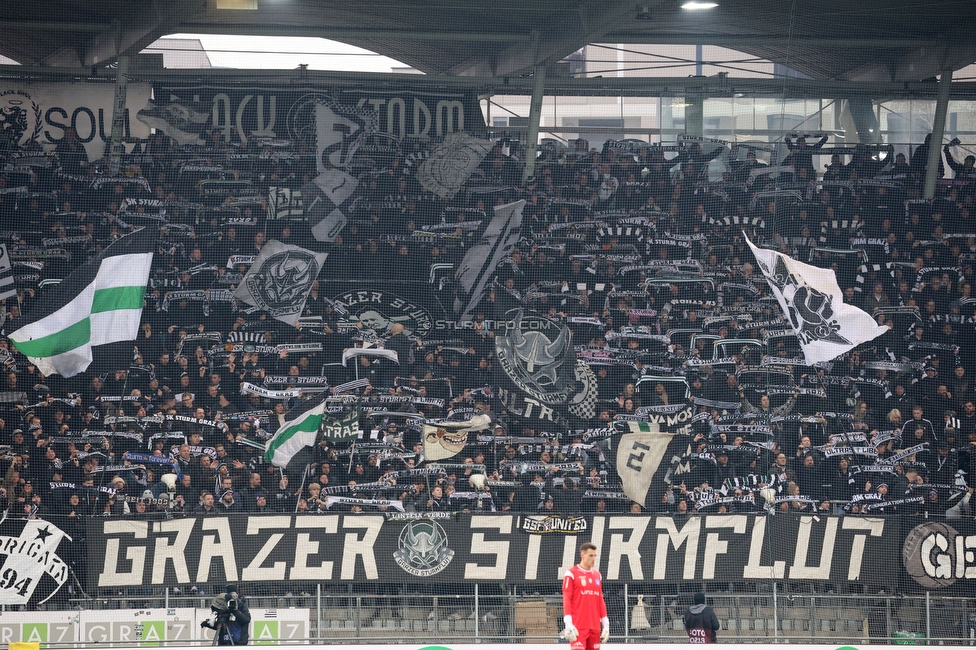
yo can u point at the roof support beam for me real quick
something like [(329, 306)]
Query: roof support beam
[(51, 26), (129, 33), (516, 85), (560, 37), (353, 34), (938, 130), (535, 117), (729, 41)]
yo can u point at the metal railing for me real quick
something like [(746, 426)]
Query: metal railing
[(774, 616)]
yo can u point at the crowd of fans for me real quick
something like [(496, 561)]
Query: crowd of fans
[(637, 248)]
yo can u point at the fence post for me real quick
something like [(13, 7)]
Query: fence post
[(359, 616), (661, 613), (318, 610), (888, 630), (477, 628), (626, 614), (775, 614), (928, 617)]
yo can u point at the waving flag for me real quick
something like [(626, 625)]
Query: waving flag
[(32, 557), (447, 439), (647, 455), (479, 263), (280, 280), (294, 436), (99, 303), (183, 121), (810, 296), (452, 162), (7, 287), (329, 197)]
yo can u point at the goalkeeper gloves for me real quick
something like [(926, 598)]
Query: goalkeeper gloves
[(570, 633)]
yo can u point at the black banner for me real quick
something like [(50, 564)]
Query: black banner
[(377, 307), (270, 112), (358, 548)]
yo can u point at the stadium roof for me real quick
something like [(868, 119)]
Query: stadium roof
[(870, 40)]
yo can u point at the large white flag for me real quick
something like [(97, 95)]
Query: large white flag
[(452, 162), (639, 456), (810, 296), (280, 280)]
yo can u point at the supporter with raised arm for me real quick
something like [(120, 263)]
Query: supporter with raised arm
[(801, 153), (967, 169)]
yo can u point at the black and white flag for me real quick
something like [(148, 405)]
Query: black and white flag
[(340, 130), (31, 561), (285, 203), (280, 280), (327, 200), (812, 300), (341, 427), (452, 162), (645, 456), (7, 287), (481, 260), (185, 122)]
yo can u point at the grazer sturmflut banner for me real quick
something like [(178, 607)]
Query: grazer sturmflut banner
[(358, 548), (269, 112)]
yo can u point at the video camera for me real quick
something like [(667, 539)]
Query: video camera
[(225, 604)]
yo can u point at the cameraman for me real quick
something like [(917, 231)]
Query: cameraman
[(231, 618)]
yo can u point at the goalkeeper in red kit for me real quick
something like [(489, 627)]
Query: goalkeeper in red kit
[(584, 611)]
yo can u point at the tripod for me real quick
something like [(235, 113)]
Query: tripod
[(217, 632), (221, 627)]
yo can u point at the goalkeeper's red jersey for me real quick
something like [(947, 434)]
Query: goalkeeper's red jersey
[(583, 597)]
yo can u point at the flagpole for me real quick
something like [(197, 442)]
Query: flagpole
[(301, 488)]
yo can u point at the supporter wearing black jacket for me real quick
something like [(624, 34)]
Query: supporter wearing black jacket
[(801, 154), (918, 421), (866, 164), (701, 622), (965, 170), (920, 161)]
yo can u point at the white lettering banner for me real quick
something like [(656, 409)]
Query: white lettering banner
[(42, 112)]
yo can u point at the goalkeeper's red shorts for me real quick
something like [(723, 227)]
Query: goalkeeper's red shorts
[(587, 640)]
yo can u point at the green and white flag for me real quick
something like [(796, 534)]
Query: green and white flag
[(294, 436), (99, 303)]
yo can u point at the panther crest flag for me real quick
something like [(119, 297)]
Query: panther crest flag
[(812, 300), (280, 280)]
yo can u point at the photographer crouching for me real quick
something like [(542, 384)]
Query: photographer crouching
[(231, 618)]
